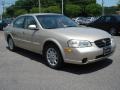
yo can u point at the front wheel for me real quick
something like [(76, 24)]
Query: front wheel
[(53, 57), (11, 45)]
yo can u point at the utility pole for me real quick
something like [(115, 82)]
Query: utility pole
[(103, 9), (3, 5), (62, 7), (39, 6)]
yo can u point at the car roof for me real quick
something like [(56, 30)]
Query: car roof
[(112, 15), (34, 14)]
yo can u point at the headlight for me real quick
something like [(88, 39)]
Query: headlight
[(112, 40), (79, 43)]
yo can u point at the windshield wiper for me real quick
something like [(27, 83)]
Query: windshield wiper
[(68, 26)]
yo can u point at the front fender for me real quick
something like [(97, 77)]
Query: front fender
[(57, 43)]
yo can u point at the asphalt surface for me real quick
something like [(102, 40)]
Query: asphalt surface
[(24, 70)]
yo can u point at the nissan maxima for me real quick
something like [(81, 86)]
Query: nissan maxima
[(59, 39)]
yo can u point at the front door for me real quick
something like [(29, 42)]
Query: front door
[(31, 36)]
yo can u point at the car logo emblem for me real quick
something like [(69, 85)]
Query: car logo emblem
[(104, 41)]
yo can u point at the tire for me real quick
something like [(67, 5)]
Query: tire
[(11, 44), (113, 31), (53, 56)]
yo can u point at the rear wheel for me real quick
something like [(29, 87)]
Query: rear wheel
[(53, 57), (11, 45), (113, 31)]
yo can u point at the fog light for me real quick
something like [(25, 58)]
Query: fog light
[(84, 60), (67, 50)]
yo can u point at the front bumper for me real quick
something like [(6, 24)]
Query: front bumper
[(88, 54)]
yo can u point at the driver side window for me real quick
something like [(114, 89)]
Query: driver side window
[(30, 21)]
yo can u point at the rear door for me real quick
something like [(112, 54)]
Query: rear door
[(18, 31)]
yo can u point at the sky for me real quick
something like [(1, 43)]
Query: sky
[(7, 3), (106, 3)]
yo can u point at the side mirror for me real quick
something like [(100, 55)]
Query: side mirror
[(32, 27)]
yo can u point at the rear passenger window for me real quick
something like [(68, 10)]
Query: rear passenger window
[(19, 23)]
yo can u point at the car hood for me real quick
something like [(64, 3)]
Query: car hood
[(82, 33)]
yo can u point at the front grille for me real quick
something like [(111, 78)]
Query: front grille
[(103, 42)]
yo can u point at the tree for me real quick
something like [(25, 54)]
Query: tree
[(10, 11), (20, 12), (93, 9), (34, 10), (73, 10), (52, 9), (111, 10), (47, 3), (25, 4), (71, 7), (83, 4)]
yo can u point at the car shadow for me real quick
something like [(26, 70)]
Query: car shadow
[(89, 68), (70, 68), (31, 55)]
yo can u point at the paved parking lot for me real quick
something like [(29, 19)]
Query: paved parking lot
[(24, 70)]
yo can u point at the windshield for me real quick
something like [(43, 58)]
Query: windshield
[(55, 21)]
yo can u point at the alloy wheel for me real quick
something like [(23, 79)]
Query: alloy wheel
[(52, 56), (10, 44)]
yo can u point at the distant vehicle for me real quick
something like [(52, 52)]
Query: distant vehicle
[(5, 22), (91, 19), (59, 39), (2, 24), (84, 20), (109, 23)]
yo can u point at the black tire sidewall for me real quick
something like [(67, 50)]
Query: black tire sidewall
[(9, 45)]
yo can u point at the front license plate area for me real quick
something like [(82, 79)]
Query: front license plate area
[(106, 50)]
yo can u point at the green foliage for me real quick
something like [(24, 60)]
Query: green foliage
[(83, 2), (20, 12), (10, 11), (47, 3), (111, 10), (93, 9), (72, 10), (52, 9), (34, 10), (26, 4)]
